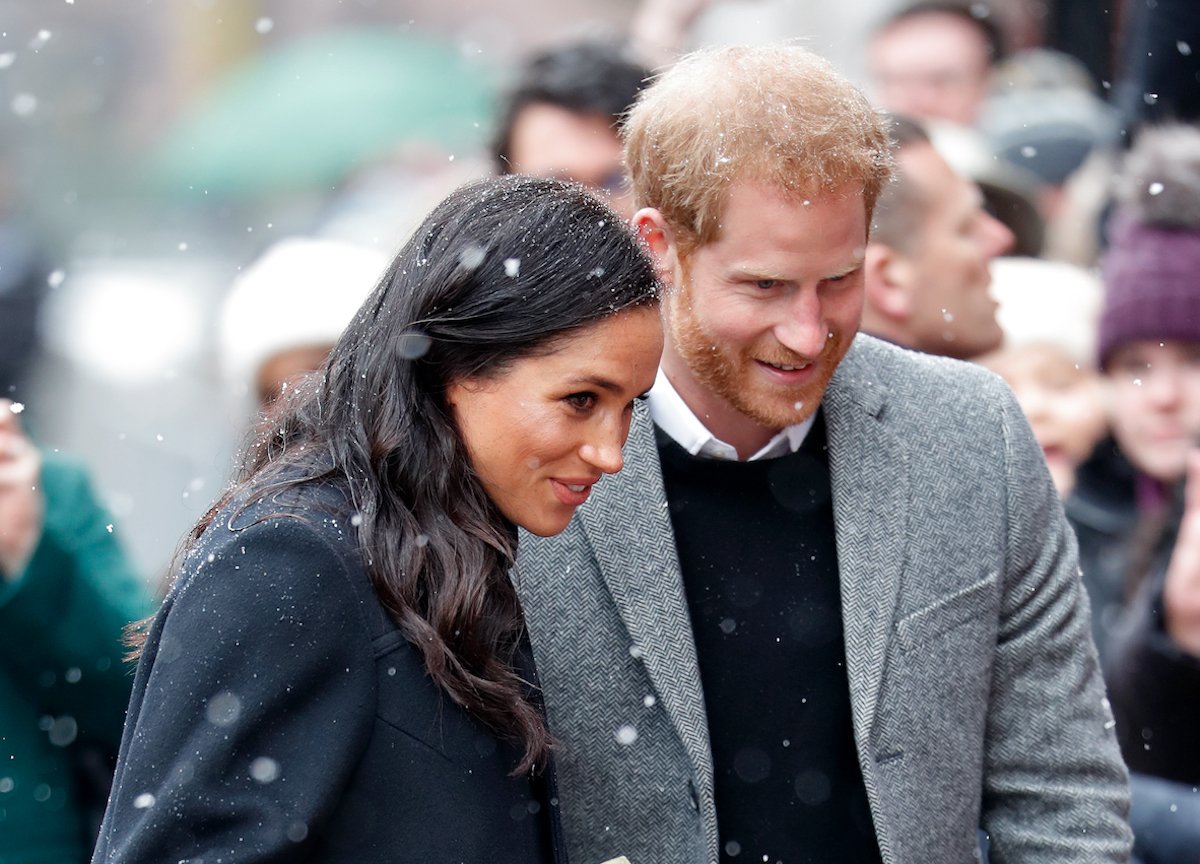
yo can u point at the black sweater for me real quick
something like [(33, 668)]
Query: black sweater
[(759, 560)]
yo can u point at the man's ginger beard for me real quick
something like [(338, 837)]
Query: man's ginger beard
[(726, 372)]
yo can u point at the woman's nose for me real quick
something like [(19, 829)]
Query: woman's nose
[(604, 452)]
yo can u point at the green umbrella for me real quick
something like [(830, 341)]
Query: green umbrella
[(303, 115)]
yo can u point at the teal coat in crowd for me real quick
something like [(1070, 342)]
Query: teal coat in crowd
[(64, 686)]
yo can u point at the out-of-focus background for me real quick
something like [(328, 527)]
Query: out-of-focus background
[(149, 151)]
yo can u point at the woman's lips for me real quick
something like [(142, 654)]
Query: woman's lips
[(572, 491)]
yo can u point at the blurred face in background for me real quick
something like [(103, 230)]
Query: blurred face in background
[(1156, 404), (1063, 401), (932, 65), (946, 263), (286, 368), (550, 141)]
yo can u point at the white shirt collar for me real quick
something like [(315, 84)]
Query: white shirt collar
[(671, 414)]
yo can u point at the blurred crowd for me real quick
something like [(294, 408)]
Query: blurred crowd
[(1045, 223)]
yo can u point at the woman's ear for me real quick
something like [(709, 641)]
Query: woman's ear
[(654, 231)]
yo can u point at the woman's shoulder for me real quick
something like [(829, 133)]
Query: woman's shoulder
[(298, 542)]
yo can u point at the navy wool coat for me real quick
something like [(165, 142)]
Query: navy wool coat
[(279, 715)]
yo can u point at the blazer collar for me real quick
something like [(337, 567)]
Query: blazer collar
[(629, 528), (870, 505)]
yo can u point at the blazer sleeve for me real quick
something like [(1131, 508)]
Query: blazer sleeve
[(1055, 788), (253, 702)]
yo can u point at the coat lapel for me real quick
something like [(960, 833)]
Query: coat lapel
[(629, 529), (870, 504)]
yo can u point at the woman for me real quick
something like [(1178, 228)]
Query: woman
[(339, 672)]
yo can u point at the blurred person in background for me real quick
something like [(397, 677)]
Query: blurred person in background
[(340, 671), (926, 268), (286, 311), (1149, 352), (1047, 120), (1160, 74), (562, 118), (67, 592), (1049, 313), (945, 62), (23, 274), (933, 59), (1128, 505)]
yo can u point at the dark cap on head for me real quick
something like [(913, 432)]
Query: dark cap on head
[(1152, 267), (1152, 285)]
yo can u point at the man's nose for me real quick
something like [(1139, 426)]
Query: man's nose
[(803, 330), (998, 238)]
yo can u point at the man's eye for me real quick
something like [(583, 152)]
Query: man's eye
[(766, 284)]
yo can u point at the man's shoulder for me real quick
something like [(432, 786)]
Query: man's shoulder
[(912, 384), (871, 358)]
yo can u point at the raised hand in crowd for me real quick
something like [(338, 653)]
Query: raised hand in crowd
[(22, 507), (1181, 591)]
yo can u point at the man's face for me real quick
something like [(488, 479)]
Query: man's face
[(931, 66), (549, 141), (951, 311), (758, 319), (1156, 404)]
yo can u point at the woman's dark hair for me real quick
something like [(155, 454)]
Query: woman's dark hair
[(502, 269)]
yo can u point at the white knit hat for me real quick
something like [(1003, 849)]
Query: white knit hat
[(300, 292), (1048, 302)]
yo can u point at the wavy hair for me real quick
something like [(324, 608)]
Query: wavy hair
[(503, 269)]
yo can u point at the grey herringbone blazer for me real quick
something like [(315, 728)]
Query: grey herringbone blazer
[(974, 686)]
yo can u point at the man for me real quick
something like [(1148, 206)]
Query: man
[(934, 59), (562, 118), (830, 610), (926, 271)]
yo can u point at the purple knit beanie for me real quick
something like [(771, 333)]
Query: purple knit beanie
[(1152, 285)]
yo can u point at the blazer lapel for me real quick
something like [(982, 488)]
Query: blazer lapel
[(870, 504), (629, 529)]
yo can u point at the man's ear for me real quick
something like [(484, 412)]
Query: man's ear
[(653, 229), (888, 280)]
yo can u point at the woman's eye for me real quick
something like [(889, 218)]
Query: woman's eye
[(581, 401)]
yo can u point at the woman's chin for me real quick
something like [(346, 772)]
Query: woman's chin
[(547, 525)]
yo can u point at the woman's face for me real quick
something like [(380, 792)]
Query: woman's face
[(546, 429), (1156, 404)]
